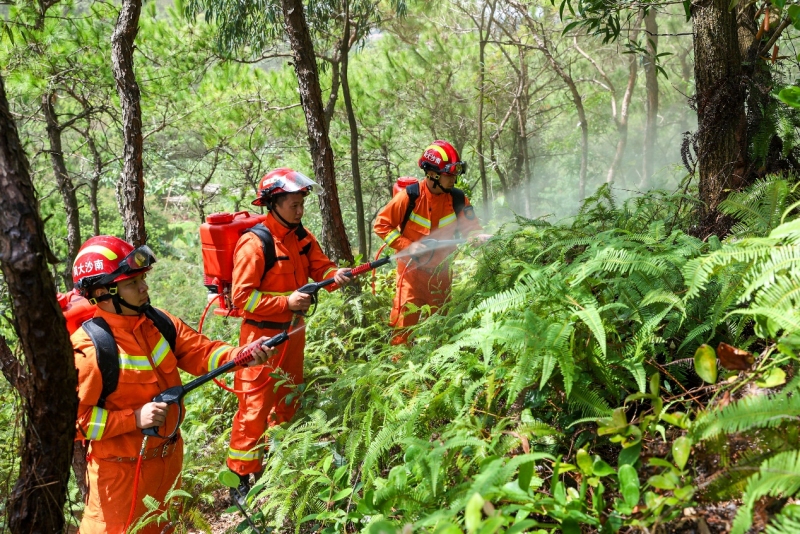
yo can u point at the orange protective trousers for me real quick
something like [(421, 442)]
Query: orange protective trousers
[(418, 286), (111, 492), (265, 407)]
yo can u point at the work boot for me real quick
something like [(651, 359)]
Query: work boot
[(239, 493)]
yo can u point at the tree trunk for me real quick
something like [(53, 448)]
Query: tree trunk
[(351, 120), (131, 190), (720, 107), (334, 236), (578, 101), (50, 404), (94, 182), (484, 38), (624, 110), (65, 185), (651, 84)]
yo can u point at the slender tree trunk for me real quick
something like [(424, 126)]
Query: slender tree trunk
[(720, 106), (484, 38), (651, 84), (622, 121), (334, 236), (624, 110), (351, 120), (50, 404), (131, 190), (387, 164), (94, 182), (500, 174), (578, 101), (65, 185)]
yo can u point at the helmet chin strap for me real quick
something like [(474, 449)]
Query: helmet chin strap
[(119, 302), (281, 219), (436, 183)]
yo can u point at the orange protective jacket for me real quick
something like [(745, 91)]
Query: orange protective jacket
[(147, 367), (266, 299), (431, 213), (426, 281)]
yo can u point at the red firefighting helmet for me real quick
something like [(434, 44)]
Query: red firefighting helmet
[(283, 180), (106, 259), (442, 157)]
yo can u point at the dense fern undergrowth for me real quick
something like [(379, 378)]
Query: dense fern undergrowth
[(609, 374), (572, 385)]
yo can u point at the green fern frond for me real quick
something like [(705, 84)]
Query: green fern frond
[(779, 475), (761, 411), (759, 208), (786, 522), (589, 403)]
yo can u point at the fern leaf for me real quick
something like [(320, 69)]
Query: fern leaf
[(592, 319), (762, 411), (779, 475), (786, 522)]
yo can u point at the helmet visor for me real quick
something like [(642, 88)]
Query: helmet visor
[(138, 260), (456, 168)]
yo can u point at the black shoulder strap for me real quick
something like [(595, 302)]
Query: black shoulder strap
[(301, 234), (267, 246), (459, 200), (105, 346), (413, 195), (164, 325)]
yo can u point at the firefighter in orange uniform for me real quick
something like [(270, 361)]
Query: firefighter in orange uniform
[(112, 414), (271, 261), (435, 208)]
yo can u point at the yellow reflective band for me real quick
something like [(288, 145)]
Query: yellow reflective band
[(391, 236), (97, 249), (438, 149), (420, 220), (253, 301), (134, 363), (277, 293), (97, 423), (216, 356), (245, 456), (444, 221), (160, 351), (329, 271)]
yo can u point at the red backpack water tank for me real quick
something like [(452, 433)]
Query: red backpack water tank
[(218, 237), (402, 183), (76, 309)]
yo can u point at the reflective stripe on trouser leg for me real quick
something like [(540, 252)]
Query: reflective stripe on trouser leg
[(246, 448)]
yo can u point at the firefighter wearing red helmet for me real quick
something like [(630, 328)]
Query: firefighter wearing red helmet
[(432, 207), (112, 413), (271, 261)]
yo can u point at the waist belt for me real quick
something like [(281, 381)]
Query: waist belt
[(268, 324), (162, 451)]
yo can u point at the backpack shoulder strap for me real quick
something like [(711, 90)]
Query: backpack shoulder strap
[(301, 234), (105, 346), (413, 194), (459, 200), (267, 246), (164, 325)]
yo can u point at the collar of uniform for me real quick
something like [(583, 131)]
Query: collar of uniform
[(275, 227), (120, 322)]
